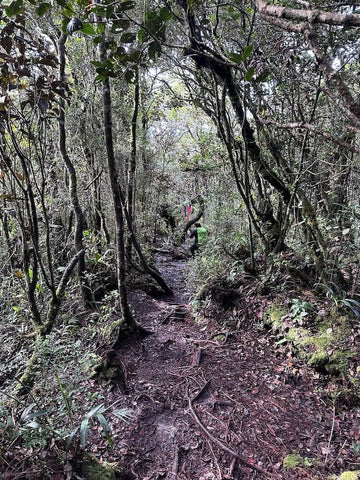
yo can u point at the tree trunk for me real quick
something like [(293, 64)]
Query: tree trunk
[(129, 324), (79, 217), (132, 164)]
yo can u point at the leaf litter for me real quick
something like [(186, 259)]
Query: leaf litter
[(225, 405)]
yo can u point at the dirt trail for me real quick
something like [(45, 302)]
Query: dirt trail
[(252, 400)]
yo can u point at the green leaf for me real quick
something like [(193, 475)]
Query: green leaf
[(119, 26), (14, 8), (26, 415), (234, 14), (99, 10), (36, 414), (235, 57), (26, 412), (129, 75), (247, 52), (106, 428), (65, 396), (97, 40), (42, 9), (100, 78), (165, 14), (83, 3), (263, 76), (135, 56), (88, 29), (127, 5), (206, 21), (249, 74), (98, 409), (83, 431), (141, 35), (100, 28), (154, 50), (67, 11), (128, 37), (70, 438), (64, 25)]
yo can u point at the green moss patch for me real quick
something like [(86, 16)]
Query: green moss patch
[(295, 460), (327, 350), (93, 469), (274, 316), (323, 345), (355, 475)]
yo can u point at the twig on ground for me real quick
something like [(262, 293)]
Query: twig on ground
[(331, 434), (215, 460), (209, 342), (174, 473), (222, 445), (232, 467), (338, 455)]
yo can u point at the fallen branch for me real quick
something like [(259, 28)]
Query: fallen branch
[(222, 445), (175, 468), (215, 459), (232, 467), (196, 357), (331, 435), (338, 455)]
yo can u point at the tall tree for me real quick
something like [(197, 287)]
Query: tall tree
[(79, 217), (128, 319)]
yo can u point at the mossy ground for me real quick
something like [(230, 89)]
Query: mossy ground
[(295, 460), (93, 469), (355, 475), (321, 342)]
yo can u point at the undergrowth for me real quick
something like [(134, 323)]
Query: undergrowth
[(66, 408)]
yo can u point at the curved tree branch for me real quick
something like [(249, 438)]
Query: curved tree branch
[(313, 129), (308, 15)]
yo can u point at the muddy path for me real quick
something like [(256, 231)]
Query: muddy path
[(210, 407)]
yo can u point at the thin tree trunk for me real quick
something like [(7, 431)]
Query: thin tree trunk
[(129, 322), (132, 164), (79, 216)]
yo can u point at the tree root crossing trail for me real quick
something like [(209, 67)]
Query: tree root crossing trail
[(214, 405)]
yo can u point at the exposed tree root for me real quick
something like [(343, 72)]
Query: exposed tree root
[(224, 447)]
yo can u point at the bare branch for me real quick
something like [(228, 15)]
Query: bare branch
[(314, 129), (308, 15)]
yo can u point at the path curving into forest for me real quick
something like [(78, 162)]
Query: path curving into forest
[(219, 407)]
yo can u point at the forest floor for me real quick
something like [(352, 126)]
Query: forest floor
[(214, 395), (214, 404)]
